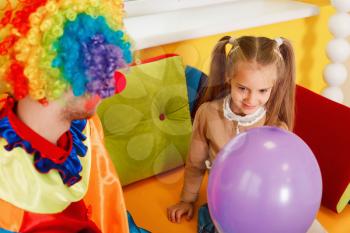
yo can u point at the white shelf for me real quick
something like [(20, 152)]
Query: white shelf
[(183, 24)]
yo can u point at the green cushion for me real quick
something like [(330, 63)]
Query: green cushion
[(148, 126)]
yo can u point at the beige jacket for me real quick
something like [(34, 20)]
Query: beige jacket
[(211, 131)]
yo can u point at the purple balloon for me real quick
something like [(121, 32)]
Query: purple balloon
[(265, 180)]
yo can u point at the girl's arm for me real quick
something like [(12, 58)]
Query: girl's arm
[(194, 170), (198, 153)]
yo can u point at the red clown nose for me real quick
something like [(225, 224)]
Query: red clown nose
[(120, 82)]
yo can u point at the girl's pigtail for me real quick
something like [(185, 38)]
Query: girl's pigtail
[(217, 86), (283, 96)]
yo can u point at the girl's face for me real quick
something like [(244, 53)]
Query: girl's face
[(251, 87)]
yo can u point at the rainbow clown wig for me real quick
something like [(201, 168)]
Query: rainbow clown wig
[(47, 46)]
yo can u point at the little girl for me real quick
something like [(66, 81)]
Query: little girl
[(250, 86)]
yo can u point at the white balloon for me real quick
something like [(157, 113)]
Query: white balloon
[(341, 5), (334, 93), (339, 25), (338, 50), (335, 74)]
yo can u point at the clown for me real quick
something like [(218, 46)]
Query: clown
[(58, 59)]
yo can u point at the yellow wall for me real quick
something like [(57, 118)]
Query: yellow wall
[(316, 2), (346, 86), (309, 37)]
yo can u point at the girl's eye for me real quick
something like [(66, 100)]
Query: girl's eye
[(242, 88), (263, 91)]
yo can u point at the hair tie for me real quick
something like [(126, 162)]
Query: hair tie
[(231, 40), (279, 41)]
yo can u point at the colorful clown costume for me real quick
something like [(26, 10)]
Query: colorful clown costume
[(33, 199), (49, 48)]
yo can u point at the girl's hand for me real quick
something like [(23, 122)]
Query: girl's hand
[(182, 208)]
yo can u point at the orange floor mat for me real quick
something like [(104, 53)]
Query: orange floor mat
[(147, 201), (333, 222)]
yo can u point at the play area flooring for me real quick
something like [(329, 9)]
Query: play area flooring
[(147, 201)]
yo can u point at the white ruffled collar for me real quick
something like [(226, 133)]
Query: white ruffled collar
[(246, 120)]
